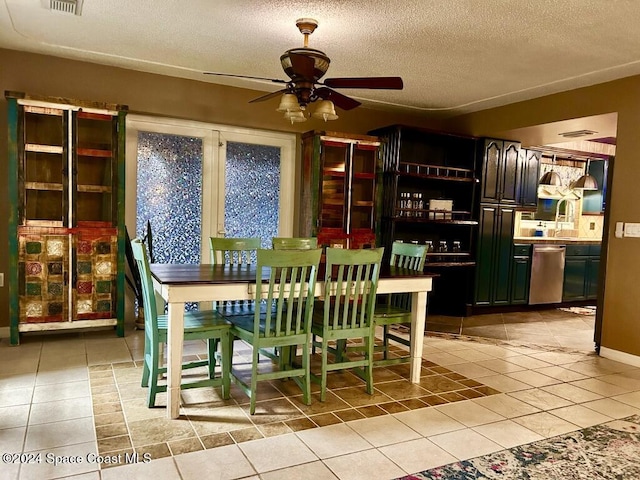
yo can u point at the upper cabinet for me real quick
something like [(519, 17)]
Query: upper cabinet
[(500, 180), (66, 234), (528, 177), (594, 201), (509, 173), (339, 188)]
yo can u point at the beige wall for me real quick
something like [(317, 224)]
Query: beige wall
[(172, 97)]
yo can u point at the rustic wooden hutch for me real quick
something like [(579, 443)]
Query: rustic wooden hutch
[(66, 230)]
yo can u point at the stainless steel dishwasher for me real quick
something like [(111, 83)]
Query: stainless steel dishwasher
[(547, 274)]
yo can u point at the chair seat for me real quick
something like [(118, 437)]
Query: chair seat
[(240, 309), (246, 323), (384, 311), (197, 321)]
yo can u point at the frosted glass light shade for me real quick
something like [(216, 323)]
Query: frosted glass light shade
[(325, 110), (288, 103), (295, 117)]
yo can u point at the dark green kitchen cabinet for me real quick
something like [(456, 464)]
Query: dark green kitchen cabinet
[(581, 271), (500, 180), (528, 176), (520, 274), (593, 270), (593, 201), (494, 255), (575, 271)]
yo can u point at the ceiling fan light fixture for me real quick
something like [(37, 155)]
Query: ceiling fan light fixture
[(320, 61), (325, 110), (295, 117), (288, 103)]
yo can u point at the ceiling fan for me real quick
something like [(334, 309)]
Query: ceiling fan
[(305, 67)]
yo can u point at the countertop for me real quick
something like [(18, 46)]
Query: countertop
[(558, 240)]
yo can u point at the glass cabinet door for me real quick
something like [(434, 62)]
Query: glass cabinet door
[(44, 169), (94, 168), (334, 170), (363, 167)]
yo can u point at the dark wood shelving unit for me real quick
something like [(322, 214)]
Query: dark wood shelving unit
[(426, 166)]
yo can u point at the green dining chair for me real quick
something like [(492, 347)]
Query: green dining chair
[(395, 309), (207, 325), (346, 312), (296, 243), (233, 251), (281, 320)]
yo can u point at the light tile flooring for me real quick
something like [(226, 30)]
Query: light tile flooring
[(72, 397), (555, 327)]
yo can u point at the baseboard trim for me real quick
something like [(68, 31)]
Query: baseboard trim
[(621, 357), (5, 332)]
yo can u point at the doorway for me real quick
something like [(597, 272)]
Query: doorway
[(575, 146)]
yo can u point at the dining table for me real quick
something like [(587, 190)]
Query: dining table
[(179, 284)]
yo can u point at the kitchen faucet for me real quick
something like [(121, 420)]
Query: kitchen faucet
[(569, 212)]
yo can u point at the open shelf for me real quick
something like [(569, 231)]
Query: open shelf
[(436, 172)]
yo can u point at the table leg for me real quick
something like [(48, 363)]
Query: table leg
[(418, 317), (175, 338)]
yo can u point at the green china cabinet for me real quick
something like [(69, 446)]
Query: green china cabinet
[(66, 231)]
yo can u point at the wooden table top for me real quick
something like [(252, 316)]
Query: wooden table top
[(177, 274)]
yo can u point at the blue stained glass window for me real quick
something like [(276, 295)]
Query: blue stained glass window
[(170, 195), (252, 191)]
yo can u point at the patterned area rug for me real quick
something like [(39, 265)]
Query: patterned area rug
[(580, 310), (607, 451)]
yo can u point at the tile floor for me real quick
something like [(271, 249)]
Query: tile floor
[(75, 400), (553, 327)]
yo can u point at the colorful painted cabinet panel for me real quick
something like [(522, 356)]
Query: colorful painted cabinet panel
[(43, 277)]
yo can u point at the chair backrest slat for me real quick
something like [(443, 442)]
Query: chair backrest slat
[(288, 294), (351, 280)]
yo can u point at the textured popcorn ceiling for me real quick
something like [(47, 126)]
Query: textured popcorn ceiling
[(454, 55)]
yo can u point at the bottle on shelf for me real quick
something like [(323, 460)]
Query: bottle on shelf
[(443, 248), (401, 204), (408, 205), (417, 204), (455, 248), (429, 245)]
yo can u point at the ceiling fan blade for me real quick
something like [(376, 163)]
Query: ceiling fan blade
[(387, 83), (338, 99), (302, 65), (269, 96), (274, 80)]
